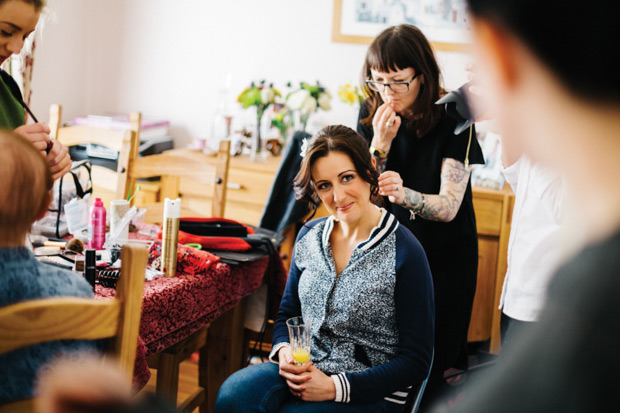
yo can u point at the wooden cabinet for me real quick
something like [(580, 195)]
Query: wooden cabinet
[(493, 216)]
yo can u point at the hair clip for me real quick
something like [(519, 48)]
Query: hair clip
[(304, 147)]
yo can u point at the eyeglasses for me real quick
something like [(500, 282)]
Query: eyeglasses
[(397, 87)]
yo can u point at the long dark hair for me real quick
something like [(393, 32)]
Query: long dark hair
[(398, 48), (336, 138)]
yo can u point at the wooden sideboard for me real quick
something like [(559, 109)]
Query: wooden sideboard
[(493, 217), (249, 186)]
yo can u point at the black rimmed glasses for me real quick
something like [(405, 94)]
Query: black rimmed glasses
[(397, 87)]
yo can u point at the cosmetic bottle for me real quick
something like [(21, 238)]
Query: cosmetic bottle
[(96, 225), (90, 269), (170, 236)]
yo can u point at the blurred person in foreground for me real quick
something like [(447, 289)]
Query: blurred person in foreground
[(24, 198), (92, 385), (554, 92)]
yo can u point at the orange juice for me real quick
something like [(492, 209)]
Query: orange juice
[(301, 355)]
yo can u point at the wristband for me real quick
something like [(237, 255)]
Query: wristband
[(379, 153)]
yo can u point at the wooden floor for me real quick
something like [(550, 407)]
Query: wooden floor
[(188, 380)]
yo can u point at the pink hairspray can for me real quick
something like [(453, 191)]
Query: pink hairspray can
[(96, 225)]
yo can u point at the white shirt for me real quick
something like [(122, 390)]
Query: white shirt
[(534, 250)]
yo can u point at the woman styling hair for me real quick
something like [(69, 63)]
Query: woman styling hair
[(425, 172), (18, 19)]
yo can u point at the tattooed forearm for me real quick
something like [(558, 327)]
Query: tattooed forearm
[(381, 163), (454, 171), (412, 200), (435, 208), (445, 205)]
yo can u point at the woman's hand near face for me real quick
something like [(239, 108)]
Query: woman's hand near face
[(59, 160), (391, 185), (385, 125), (37, 133)]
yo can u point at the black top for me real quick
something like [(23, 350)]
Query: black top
[(419, 161), (568, 362)]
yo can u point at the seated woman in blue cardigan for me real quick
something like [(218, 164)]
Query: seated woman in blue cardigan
[(362, 281), (24, 198)]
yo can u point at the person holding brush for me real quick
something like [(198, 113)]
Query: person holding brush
[(18, 19)]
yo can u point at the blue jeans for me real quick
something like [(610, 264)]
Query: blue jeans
[(260, 388)]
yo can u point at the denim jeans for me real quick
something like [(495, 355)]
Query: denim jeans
[(260, 388)]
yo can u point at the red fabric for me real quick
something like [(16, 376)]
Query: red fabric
[(189, 260), (214, 243)]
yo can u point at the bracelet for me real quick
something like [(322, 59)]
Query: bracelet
[(379, 153), (420, 210)]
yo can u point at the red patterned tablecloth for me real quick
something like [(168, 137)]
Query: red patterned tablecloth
[(173, 308)]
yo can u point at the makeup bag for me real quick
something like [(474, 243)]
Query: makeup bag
[(77, 183)]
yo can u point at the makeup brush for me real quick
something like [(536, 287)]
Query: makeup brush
[(76, 245)]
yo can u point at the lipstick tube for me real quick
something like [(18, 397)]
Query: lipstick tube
[(170, 236)]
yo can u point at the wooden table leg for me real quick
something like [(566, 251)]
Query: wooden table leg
[(223, 354)]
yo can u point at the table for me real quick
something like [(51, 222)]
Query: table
[(175, 308)]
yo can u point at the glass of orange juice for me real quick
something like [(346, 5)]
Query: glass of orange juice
[(299, 336)]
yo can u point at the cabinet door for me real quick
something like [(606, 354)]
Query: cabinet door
[(482, 312)]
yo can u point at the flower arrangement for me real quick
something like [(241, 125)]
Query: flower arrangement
[(307, 100), (260, 96), (351, 94), (282, 121)]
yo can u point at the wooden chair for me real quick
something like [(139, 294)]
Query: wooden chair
[(107, 184), (60, 318), (195, 166)]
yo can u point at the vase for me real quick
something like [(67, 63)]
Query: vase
[(301, 120), (257, 141)]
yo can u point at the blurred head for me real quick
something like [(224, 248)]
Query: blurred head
[(337, 170), (25, 189), (546, 65), (18, 19), (401, 53)]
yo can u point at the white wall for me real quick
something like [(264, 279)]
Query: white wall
[(170, 58)]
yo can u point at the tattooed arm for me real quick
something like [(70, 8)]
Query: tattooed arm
[(441, 207), (380, 164)]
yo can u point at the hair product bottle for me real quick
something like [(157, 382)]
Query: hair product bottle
[(96, 225), (170, 236)]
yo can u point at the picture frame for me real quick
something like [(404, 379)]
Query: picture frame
[(443, 22)]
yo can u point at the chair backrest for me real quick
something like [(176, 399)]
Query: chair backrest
[(107, 184), (173, 165), (60, 318), (414, 399)]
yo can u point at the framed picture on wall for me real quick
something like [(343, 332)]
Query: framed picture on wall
[(443, 22)]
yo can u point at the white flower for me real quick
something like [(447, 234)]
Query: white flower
[(308, 105), (304, 147), (324, 99), (297, 98), (267, 95)]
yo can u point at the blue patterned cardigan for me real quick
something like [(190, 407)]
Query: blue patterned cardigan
[(24, 278), (372, 326)]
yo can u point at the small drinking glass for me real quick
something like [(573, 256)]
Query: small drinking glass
[(299, 336)]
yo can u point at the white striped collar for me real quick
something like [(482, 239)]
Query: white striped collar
[(387, 224)]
